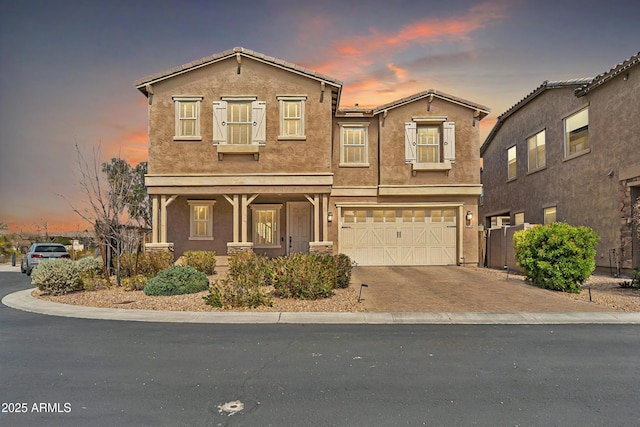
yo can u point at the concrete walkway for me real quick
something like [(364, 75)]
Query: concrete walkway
[(416, 295)]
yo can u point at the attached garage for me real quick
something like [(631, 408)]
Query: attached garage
[(397, 235)]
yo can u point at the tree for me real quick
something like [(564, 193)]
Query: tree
[(108, 194), (3, 226)]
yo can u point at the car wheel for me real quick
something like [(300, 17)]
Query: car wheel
[(29, 270), (22, 269)]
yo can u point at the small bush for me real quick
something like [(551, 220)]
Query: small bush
[(204, 261), (90, 266), (557, 256), (177, 280), (134, 283), (304, 276), (149, 264), (57, 276), (244, 285)]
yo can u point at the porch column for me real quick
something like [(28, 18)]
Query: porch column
[(163, 219), (236, 214), (316, 215), (246, 201), (154, 219), (325, 215)]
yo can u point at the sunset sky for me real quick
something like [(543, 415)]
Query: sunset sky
[(67, 67)]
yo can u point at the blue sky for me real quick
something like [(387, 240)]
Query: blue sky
[(67, 67)]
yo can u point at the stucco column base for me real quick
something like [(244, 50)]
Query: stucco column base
[(323, 248), (158, 247), (234, 248)]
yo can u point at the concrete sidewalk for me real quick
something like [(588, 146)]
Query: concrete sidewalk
[(23, 300)]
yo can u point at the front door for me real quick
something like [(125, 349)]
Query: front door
[(298, 226)]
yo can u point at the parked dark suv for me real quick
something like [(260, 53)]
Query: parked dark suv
[(39, 252)]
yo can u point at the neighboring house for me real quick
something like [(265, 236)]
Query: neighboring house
[(247, 151), (570, 151)]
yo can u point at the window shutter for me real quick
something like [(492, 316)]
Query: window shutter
[(259, 115), (410, 135), (449, 141), (220, 122)]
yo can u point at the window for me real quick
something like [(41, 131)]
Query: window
[(549, 215), (536, 146), (519, 218), (428, 145), (291, 117), (576, 132), (353, 142), (443, 215), (512, 163), (187, 118), (351, 216), (201, 219), (239, 121), (266, 229)]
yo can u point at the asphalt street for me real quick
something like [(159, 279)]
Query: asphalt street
[(59, 371)]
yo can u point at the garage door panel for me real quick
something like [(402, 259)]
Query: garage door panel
[(427, 237)]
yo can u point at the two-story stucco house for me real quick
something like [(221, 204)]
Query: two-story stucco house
[(570, 151), (247, 151)]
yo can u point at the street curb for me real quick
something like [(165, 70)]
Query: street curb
[(22, 300)]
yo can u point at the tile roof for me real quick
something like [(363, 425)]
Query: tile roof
[(483, 110), (229, 53), (546, 85), (602, 78)]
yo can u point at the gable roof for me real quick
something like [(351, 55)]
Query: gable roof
[(481, 109), (143, 84), (602, 78), (546, 85)]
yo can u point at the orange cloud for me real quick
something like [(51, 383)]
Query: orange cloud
[(400, 73)]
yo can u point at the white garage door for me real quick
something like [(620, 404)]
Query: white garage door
[(399, 236)]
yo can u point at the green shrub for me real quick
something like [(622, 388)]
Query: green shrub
[(244, 285), (57, 276), (149, 264), (635, 278), (304, 276), (204, 261), (134, 283), (90, 266), (177, 280), (557, 256)]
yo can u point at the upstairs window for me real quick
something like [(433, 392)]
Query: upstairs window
[(239, 121), (429, 140), (576, 133), (536, 146), (353, 144), (512, 164), (187, 118), (292, 117)]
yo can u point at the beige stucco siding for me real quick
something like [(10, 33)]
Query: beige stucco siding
[(257, 79)]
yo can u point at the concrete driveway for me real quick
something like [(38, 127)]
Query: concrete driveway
[(457, 289)]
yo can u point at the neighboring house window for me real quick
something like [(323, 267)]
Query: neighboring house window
[(292, 117), (187, 117), (266, 230), (353, 143), (430, 140), (536, 146), (201, 219), (576, 131), (550, 215), (519, 218), (512, 163), (428, 145), (239, 121)]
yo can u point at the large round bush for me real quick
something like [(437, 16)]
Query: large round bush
[(177, 280), (57, 276), (557, 256)]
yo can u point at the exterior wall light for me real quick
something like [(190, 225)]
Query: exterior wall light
[(469, 218), (330, 217)]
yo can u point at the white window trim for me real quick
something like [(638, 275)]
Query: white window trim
[(567, 155), (288, 98), (177, 99), (277, 207), (210, 204), (365, 163), (512, 178)]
